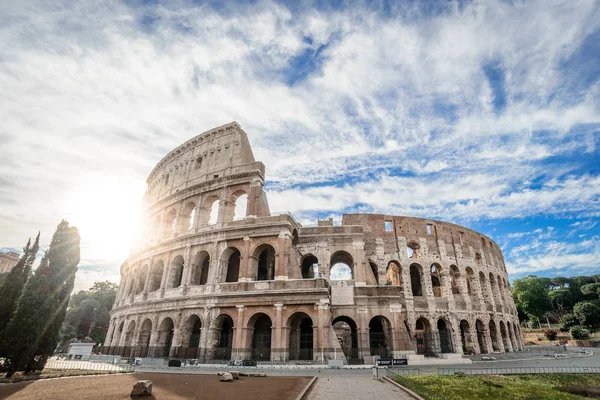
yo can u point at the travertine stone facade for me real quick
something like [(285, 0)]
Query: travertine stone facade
[(209, 283)]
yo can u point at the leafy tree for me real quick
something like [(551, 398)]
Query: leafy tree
[(590, 288), (531, 295), (32, 334), (588, 313), (579, 332), (15, 281), (569, 321)]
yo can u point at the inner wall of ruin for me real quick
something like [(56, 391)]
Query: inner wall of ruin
[(216, 277)]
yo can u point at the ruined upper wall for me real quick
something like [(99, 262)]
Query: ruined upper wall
[(220, 152)]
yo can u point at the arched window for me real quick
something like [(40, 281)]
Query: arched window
[(214, 213), (455, 274), (310, 267), (415, 280), (241, 202), (156, 276), (200, 268), (436, 280), (266, 263), (187, 217), (176, 273), (392, 274), (469, 273), (341, 266), (169, 223), (231, 259)]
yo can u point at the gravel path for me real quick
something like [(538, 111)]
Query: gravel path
[(355, 387)]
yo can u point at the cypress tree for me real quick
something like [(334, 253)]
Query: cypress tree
[(32, 333), (14, 283)]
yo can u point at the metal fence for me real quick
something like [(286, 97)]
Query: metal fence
[(63, 365)]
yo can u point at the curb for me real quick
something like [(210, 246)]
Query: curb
[(405, 389), (306, 389)]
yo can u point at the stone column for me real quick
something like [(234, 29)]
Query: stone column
[(148, 275), (239, 345), (253, 203), (165, 276), (187, 266), (278, 343), (153, 342), (245, 260), (284, 244), (363, 334)]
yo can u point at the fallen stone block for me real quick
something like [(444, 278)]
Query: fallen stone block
[(226, 377), (142, 388), (235, 374)]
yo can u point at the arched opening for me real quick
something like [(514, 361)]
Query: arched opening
[(266, 262), (301, 337), (190, 340), (231, 258), (165, 338), (347, 335), (156, 276), (155, 228), (295, 237), (484, 287), (310, 267), (120, 333), (455, 279), (187, 216), (200, 268), (241, 204), (224, 337), (261, 337), (515, 332), (169, 222), (465, 337), (436, 280), (479, 327), (413, 250), (415, 280), (445, 333), (494, 336), (341, 266), (469, 273), (129, 336), (144, 338), (380, 337), (494, 287), (375, 271), (131, 283), (176, 273), (141, 279), (393, 277), (423, 337), (214, 212), (505, 338)]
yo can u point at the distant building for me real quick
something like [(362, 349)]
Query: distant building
[(8, 260)]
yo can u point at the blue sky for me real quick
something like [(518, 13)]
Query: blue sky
[(483, 113)]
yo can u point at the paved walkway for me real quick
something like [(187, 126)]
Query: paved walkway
[(355, 387)]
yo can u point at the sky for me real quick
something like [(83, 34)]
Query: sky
[(481, 113)]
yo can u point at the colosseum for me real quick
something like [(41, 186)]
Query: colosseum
[(217, 277)]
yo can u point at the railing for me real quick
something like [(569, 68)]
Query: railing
[(62, 365)]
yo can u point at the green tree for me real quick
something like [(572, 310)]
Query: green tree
[(32, 334), (590, 289), (588, 313), (531, 296), (15, 282)]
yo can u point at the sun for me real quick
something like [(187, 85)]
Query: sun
[(106, 211)]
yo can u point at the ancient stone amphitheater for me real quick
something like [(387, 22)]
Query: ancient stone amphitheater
[(218, 277)]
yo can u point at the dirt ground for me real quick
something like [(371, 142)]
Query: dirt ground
[(165, 386)]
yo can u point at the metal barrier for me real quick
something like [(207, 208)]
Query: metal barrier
[(63, 365)]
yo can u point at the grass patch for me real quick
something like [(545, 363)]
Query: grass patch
[(530, 387)]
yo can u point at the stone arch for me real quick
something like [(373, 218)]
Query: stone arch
[(393, 274), (141, 279), (455, 279), (493, 287), (347, 334), (131, 283), (223, 337), (200, 267), (469, 278), (263, 262), (239, 199), (120, 333), (494, 336), (310, 265), (413, 249), (301, 340), (176, 273), (416, 284), (380, 336), (230, 264), (481, 338), (436, 280), (466, 340), (190, 337), (164, 340), (484, 287), (213, 211), (143, 340), (187, 217), (129, 334), (260, 326), (156, 276), (505, 337), (375, 271), (444, 328), (342, 266), (423, 336), (295, 237), (169, 222)]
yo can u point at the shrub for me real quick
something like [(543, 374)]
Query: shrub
[(568, 321), (579, 333), (588, 313), (550, 334)]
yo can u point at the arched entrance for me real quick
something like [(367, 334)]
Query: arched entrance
[(347, 335), (494, 336), (200, 268), (261, 337), (481, 337), (415, 279), (266, 263), (465, 337), (165, 338), (445, 333), (231, 259), (301, 337), (144, 338), (223, 332), (380, 337), (505, 338), (310, 265), (423, 337), (129, 335), (190, 338)]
